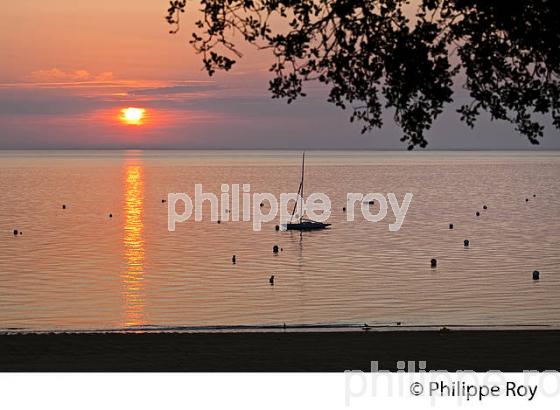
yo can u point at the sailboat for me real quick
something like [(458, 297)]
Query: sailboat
[(303, 224)]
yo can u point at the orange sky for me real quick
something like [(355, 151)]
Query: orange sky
[(129, 38), (69, 67), (126, 37)]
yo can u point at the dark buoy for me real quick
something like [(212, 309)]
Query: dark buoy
[(344, 209), (275, 249), (536, 275), (277, 227), (233, 259), (271, 280), (450, 226), (466, 242), (63, 206), (484, 207), (16, 232), (433, 262), (477, 213)]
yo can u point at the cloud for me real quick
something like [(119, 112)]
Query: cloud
[(68, 109), (56, 75), (181, 89)]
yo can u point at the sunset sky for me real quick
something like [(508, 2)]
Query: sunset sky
[(69, 68)]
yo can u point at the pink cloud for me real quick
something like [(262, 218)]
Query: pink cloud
[(56, 75)]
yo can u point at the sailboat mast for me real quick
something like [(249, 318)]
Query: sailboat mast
[(301, 197)]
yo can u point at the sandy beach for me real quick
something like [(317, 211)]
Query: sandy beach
[(505, 350)]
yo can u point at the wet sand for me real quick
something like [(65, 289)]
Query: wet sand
[(505, 350)]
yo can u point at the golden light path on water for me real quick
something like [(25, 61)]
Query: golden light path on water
[(133, 276)]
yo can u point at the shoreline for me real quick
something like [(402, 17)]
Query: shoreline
[(273, 351), (305, 327)]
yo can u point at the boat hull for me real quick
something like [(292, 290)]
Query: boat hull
[(307, 226)]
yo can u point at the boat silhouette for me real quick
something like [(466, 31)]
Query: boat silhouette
[(303, 224)]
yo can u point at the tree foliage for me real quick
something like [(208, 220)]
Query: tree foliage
[(376, 54)]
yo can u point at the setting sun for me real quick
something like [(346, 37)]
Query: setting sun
[(132, 115)]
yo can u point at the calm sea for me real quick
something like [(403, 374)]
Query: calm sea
[(78, 269)]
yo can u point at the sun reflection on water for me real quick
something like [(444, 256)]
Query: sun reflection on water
[(133, 277)]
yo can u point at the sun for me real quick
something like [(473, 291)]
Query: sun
[(132, 115)]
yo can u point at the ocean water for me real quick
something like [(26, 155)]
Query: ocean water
[(77, 269)]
